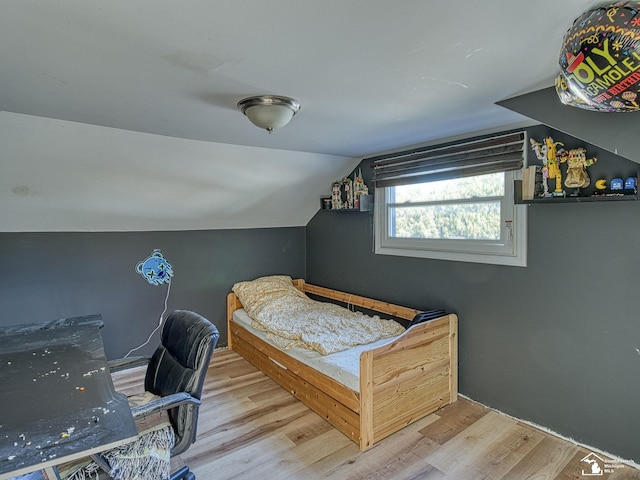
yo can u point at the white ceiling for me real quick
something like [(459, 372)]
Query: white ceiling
[(371, 75)]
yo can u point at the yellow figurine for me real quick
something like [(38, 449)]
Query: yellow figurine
[(551, 158)]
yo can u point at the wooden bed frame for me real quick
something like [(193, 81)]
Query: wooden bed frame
[(400, 382)]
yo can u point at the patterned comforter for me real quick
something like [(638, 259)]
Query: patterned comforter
[(291, 319)]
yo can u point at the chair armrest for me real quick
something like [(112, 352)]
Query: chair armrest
[(164, 403), (130, 362)]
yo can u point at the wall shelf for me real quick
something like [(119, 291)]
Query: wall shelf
[(345, 210), (366, 205), (517, 191)]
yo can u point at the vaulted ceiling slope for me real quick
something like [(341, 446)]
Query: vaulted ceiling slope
[(122, 115)]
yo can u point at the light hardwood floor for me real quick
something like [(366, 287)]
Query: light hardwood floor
[(250, 428)]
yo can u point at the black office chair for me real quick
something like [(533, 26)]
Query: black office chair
[(175, 373)]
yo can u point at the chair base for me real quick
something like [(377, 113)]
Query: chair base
[(183, 474)]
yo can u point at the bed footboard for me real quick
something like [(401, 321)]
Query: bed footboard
[(407, 379)]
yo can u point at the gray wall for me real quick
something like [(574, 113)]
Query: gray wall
[(554, 343), (52, 275), (615, 132)]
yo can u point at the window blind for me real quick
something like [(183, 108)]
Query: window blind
[(497, 153)]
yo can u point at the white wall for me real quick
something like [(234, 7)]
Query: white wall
[(64, 176)]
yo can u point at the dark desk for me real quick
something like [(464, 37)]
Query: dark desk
[(57, 400)]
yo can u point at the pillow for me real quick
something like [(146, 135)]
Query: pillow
[(258, 293)]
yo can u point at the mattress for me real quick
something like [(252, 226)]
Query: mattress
[(343, 367)]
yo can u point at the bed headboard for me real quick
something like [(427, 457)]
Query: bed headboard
[(234, 303)]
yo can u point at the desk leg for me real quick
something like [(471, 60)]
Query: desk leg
[(101, 462), (52, 473)]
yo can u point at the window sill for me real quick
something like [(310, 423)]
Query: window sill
[(512, 261)]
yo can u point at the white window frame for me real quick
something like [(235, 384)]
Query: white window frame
[(510, 250)]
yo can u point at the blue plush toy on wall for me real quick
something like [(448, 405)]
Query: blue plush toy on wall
[(155, 269)]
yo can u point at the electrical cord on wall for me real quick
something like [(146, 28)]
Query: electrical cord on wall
[(160, 321)]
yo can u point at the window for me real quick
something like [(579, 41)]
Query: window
[(467, 218)]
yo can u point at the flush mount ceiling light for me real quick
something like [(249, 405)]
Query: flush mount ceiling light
[(269, 111)]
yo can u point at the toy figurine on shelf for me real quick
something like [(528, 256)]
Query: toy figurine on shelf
[(631, 184), (346, 193), (359, 188), (601, 187), (551, 158), (336, 197), (577, 163)]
